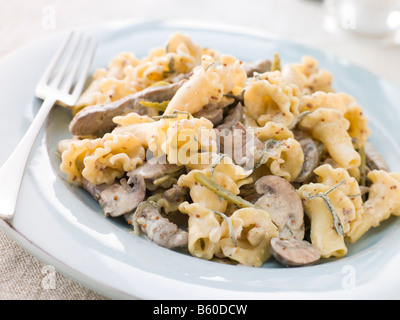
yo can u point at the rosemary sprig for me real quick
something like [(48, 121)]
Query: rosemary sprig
[(174, 115), (276, 65), (160, 106), (352, 196), (300, 117), (225, 194), (222, 192), (336, 220), (216, 163), (212, 64), (230, 227), (161, 180), (269, 144), (166, 116)]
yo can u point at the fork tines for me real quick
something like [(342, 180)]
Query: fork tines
[(67, 72)]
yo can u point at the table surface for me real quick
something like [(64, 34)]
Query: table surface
[(22, 275)]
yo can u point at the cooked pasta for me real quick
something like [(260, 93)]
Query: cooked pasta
[(383, 201), (330, 127), (323, 235), (234, 159), (127, 74), (101, 160), (271, 97), (210, 82)]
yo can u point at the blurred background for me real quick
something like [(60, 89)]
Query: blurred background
[(362, 32)]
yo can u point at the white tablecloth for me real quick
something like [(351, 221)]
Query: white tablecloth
[(302, 21)]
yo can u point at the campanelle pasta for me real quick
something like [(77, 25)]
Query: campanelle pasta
[(330, 127), (181, 138), (323, 234), (210, 82), (270, 97), (285, 157), (101, 160), (226, 174), (205, 230), (316, 79), (226, 160)]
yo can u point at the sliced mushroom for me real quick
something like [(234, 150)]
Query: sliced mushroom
[(311, 158), (152, 171), (157, 228), (118, 198), (258, 66), (281, 200), (294, 253), (98, 119), (374, 159)]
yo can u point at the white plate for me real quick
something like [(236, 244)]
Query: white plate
[(64, 227)]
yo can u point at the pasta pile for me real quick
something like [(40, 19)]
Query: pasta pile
[(292, 125), (127, 74)]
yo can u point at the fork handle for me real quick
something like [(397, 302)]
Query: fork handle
[(12, 171)]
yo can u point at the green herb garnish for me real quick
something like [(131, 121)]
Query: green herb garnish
[(160, 106), (222, 192), (230, 226), (336, 220)]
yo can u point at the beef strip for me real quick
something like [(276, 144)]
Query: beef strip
[(152, 171), (124, 196), (215, 115), (176, 194), (234, 115), (214, 111), (258, 66), (157, 228), (375, 161), (97, 120), (119, 197)]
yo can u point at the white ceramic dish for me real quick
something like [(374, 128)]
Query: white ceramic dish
[(64, 227)]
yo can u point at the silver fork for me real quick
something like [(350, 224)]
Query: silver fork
[(62, 81)]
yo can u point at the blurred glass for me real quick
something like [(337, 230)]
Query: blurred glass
[(366, 17)]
